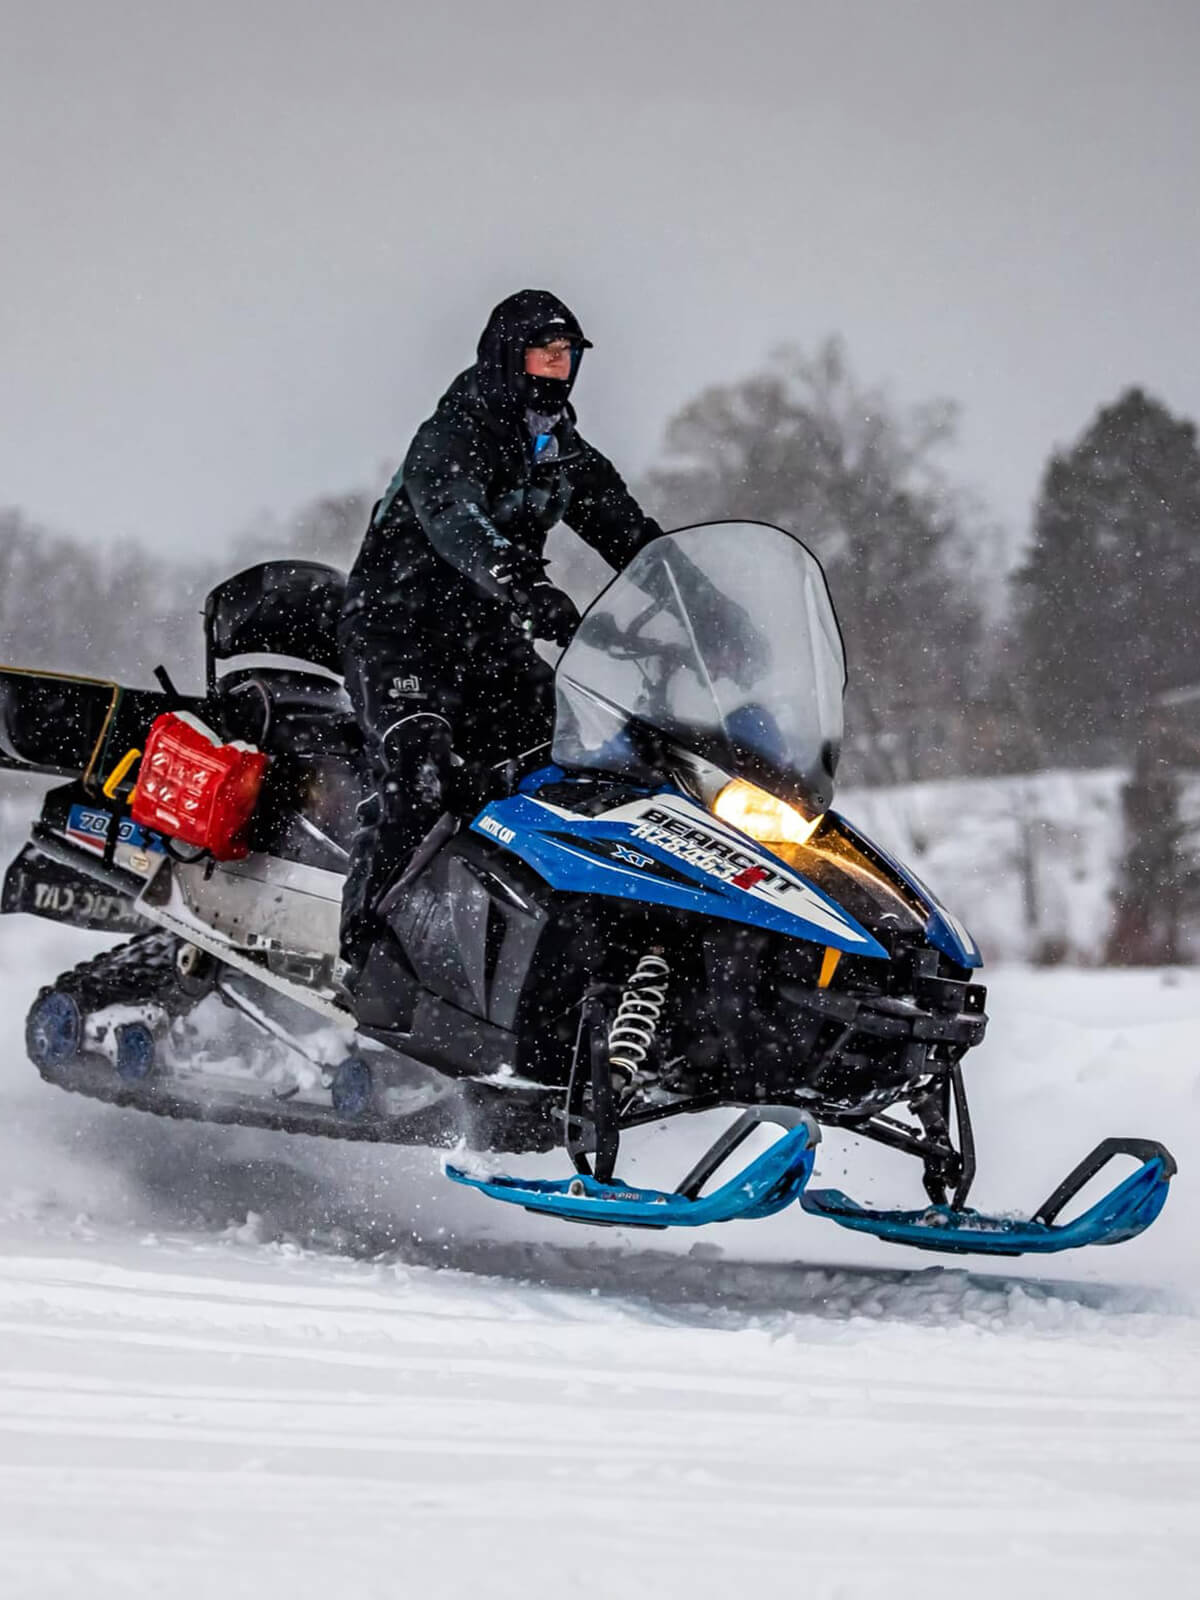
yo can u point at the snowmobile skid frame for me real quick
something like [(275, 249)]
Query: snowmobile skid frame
[(99, 1031)]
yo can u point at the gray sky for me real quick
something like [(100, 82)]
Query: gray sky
[(246, 245)]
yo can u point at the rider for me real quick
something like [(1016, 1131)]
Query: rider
[(449, 590)]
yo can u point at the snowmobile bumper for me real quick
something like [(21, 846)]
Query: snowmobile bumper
[(779, 1176)]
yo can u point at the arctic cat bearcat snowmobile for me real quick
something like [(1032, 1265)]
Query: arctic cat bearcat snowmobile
[(662, 915)]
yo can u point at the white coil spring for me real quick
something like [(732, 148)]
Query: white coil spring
[(636, 1022)]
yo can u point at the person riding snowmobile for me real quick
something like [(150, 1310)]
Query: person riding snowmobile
[(449, 590)]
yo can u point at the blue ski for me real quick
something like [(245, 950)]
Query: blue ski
[(779, 1176), (766, 1185), (1123, 1213)]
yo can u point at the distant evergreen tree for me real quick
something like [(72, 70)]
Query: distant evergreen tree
[(1109, 598), (1156, 878)]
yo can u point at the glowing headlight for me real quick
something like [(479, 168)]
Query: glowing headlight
[(762, 816)]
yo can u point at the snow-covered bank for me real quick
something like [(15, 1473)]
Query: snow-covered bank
[(237, 1363), (1028, 861)]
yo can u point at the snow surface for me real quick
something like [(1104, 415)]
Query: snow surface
[(236, 1363)]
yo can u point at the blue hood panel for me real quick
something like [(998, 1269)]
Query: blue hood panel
[(665, 849)]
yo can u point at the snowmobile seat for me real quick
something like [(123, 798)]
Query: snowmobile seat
[(285, 711)]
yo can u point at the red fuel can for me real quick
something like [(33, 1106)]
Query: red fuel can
[(195, 789)]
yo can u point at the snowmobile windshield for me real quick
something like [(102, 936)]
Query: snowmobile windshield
[(720, 640)]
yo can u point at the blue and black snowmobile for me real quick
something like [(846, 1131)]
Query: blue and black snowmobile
[(660, 915)]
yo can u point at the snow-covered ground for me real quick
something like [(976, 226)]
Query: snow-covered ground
[(244, 1364)]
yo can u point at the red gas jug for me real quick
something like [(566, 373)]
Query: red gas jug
[(196, 789)]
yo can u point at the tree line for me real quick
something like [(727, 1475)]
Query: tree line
[(956, 666)]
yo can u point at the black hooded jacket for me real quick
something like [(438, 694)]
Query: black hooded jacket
[(470, 490)]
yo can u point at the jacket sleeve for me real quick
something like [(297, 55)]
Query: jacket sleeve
[(445, 476), (604, 513)]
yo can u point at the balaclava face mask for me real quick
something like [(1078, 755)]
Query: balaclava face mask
[(528, 317), (549, 396)]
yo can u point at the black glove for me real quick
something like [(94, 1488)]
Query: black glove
[(539, 609), (510, 575), (550, 614)]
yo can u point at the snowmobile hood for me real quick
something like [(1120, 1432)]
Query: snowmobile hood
[(515, 324), (663, 848)]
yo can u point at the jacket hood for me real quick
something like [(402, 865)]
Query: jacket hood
[(515, 324)]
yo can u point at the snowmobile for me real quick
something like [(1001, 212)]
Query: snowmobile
[(660, 915)]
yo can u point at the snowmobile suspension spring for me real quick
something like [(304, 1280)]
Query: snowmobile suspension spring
[(636, 1022)]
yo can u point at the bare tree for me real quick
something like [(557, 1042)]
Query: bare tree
[(803, 445)]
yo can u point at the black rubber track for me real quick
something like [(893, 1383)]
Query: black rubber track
[(143, 971), (137, 972)]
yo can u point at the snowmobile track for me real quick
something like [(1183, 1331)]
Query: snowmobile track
[(139, 972)]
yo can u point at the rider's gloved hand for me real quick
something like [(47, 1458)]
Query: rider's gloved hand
[(512, 574), (539, 609), (550, 614)]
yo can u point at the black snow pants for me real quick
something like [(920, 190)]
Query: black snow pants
[(437, 709)]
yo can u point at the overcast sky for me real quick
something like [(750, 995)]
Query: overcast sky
[(244, 246)]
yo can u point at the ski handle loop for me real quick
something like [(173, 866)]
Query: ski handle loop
[(1144, 1150), (786, 1117)]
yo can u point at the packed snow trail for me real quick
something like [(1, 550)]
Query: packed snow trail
[(235, 1363), (217, 1421)]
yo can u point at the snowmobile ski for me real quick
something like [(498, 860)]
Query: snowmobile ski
[(769, 1183), (1123, 1213), (773, 1180)]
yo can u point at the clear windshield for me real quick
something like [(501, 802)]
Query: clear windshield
[(720, 639)]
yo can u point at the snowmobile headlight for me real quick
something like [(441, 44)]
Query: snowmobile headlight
[(762, 816)]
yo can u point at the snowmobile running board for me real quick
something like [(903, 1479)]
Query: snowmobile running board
[(777, 1177)]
